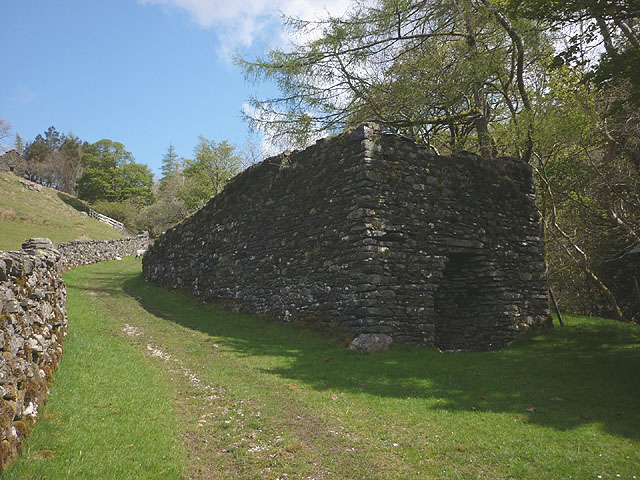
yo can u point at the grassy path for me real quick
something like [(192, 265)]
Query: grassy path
[(203, 394), (109, 415)]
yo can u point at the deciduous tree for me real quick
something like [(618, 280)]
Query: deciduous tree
[(111, 174), (5, 129), (209, 171), (554, 83)]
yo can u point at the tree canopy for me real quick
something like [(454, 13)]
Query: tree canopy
[(111, 174), (54, 158), (448, 72), (213, 165), (556, 84), (106, 175), (170, 161)]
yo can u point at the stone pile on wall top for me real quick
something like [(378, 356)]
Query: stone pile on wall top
[(371, 233)]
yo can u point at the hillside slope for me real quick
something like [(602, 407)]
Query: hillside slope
[(26, 213)]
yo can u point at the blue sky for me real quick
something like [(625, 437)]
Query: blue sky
[(141, 72)]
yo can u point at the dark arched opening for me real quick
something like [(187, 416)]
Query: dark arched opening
[(462, 309)]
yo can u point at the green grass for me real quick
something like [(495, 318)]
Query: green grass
[(26, 213), (108, 414), (274, 401)]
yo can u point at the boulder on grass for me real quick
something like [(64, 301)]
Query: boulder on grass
[(371, 342)]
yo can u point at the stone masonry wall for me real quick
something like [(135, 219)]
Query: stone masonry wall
[(13, 162), (371, 233), (85, 252), (458, 238), (33, 323)]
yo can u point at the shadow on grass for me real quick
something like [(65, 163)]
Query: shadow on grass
[(584, 373), (101, 283), (73, 202)]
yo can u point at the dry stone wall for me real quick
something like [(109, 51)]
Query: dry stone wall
[(33, 323), (373, 234), (85, 252)]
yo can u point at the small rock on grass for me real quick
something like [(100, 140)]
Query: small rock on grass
[(371, 342)]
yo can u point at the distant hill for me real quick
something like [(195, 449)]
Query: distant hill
[(26, 213)]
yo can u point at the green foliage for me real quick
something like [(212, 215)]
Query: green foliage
[(187, 184), (553, 83), (120, 211), (53, 138), (614, 25), (55, 159), (38, 150), (107, 154), (170, 161), (207, 174), (450, 73), (97, 183), (19, 144), (589, 186), (168, 207), (111, 174), (134, 182), (617, 66)]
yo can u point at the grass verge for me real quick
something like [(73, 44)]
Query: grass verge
[(256, 399), (108, 415)]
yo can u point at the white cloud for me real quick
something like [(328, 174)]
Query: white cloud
[(240, 22), (209, 12)]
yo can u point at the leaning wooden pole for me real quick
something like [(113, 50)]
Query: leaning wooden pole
[(635, 284), (555, 306)]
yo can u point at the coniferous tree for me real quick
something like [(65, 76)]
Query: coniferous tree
[(170, 161), (19, 144), (556, 84), (447, 72)]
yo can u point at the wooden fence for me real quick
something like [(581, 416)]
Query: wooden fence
[(105, 219)]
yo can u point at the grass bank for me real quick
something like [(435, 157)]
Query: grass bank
[(254, 399), (27, 213)]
